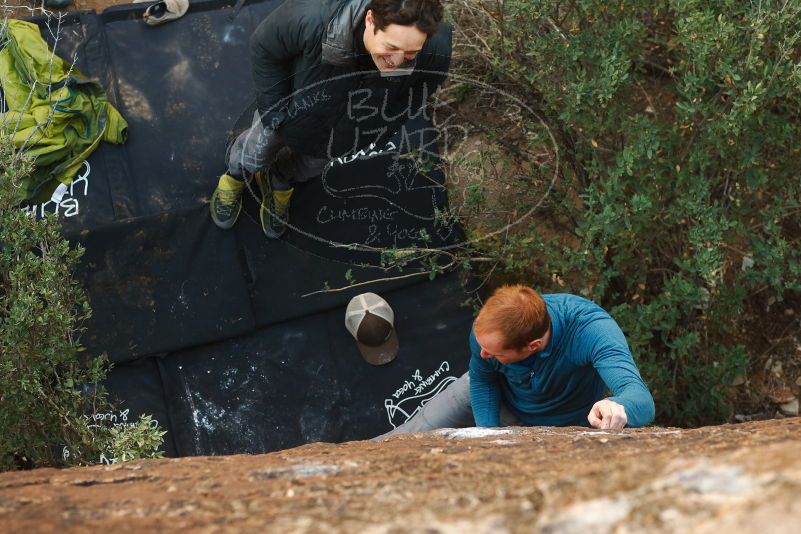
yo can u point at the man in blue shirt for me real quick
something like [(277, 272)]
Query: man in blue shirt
[(545, 361)]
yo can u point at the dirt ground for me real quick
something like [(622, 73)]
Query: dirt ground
[(22, 8), (97, 5), (732, 478)]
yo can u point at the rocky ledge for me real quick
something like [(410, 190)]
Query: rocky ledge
[(731, 478)]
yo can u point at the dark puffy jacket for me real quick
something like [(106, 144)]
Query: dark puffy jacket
[(313, 87)]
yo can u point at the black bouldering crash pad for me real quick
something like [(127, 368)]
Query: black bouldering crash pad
[(229, 338)]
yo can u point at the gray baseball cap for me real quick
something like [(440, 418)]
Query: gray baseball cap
[(371, 321)]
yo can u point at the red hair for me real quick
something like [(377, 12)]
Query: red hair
[(517, 312)]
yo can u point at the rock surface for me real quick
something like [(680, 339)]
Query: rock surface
[(731, 478)]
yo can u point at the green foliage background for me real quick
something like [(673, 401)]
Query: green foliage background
[(678, 124), (47, 386)]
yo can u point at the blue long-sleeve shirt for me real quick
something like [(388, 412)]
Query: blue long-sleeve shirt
[(586, 354)]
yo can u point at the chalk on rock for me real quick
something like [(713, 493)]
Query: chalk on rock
[(473, 432)]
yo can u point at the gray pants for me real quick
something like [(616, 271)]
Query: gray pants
[(450, 409), (257, 147)]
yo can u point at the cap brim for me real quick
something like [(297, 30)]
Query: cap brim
[(383, 353)]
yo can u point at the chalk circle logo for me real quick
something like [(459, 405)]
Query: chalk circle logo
[(503, 148), (415, 392)]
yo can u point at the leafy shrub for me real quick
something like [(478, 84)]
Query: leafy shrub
[(48, 387), (678, 206)]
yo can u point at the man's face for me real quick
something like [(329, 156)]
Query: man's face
[(392, 46), (492, 346)]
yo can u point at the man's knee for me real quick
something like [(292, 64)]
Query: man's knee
[(460, 388)]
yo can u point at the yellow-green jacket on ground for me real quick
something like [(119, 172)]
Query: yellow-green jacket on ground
[(54, 113)]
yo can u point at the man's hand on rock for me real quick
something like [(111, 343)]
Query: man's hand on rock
[(607, 415)]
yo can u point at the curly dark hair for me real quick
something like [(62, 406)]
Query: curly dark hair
[(424, 14)]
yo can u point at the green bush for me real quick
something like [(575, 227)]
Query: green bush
[(49, 389), (678, 207)]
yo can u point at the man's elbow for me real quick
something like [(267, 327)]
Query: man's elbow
[(646, 412), (254, 45), (650, 411)]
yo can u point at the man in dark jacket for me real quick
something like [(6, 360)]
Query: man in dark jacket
[(332, 77)]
